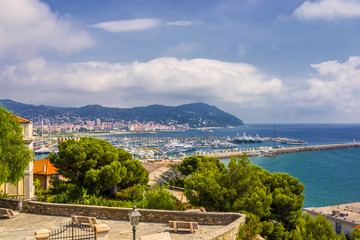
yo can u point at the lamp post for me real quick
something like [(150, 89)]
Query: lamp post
[(134, 216)]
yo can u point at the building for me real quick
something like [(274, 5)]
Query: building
[(44, 170), (181, 201), (24, 189), (343, 217)]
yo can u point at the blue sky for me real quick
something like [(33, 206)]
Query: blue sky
[(263, 61)]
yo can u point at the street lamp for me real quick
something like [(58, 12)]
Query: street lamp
[(134, 216)]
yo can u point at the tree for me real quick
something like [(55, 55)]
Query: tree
[(237, 188), (276, 199), (14, 155), (190, 164), (97, 166), (251, 228), (314, 229), (159, 198)]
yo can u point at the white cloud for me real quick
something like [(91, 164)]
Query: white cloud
[(182, 23), (29, 26), (328, 9), (168, 80), (337, 86), (129, 25)]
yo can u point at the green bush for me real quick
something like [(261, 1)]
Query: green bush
[(159, 198)]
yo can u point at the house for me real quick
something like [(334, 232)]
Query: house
[(24, 188), (181, 201), (343, 217), (44, 170)]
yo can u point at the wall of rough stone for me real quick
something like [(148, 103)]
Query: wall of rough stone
[(10, 203), (148, 215)]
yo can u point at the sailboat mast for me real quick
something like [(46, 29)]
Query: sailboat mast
[(274, 135)]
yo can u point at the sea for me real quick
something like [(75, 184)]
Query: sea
[(330, 177)]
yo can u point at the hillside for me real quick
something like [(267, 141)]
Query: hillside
[(195, 114)]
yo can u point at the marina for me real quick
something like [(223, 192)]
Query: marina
[(327, 165)]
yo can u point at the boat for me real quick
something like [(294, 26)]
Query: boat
[(176, 147)]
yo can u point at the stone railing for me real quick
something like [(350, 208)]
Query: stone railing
[(231, 221)]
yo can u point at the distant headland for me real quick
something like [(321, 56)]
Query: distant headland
[(193, 115)]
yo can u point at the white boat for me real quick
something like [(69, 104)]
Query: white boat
[(175, 146)]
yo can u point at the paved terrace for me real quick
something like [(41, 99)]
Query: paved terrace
[(24, 225)]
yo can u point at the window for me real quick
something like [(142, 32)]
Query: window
[(338, 227)]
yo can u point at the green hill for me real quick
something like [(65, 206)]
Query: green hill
[(195, 114)]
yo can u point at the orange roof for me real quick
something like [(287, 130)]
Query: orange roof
[(44, 164), (22, 120)]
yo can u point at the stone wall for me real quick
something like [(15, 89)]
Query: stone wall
[(228, 232), (13, 204), (148, 215)]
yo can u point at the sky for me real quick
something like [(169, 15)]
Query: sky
[(263, 61)]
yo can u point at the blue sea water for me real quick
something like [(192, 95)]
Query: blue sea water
[(330, 177)]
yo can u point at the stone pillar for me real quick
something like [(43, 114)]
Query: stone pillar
[(43, 234), (102, 231)]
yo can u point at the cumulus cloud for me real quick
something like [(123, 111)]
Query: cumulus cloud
[(328, 9), (182, 23), (168, 80), (337, 86), (29, 26), (129, 25)]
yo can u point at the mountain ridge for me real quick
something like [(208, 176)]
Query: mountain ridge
[(195, 114)]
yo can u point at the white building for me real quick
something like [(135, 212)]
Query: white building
[(343, 217)]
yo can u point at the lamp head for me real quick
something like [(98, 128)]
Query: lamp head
[(134, 216)]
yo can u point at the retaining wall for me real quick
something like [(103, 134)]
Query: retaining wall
[(114, 213)]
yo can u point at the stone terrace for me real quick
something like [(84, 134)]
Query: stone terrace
[(24, 225)]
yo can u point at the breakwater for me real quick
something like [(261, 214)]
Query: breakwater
[(324, 147), (282, 150)]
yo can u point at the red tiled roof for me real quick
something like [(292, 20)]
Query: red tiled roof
[(22, 120), (49, 167)]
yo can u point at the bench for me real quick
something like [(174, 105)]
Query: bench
[(157, 236), (182, 224), (84, 220), (5, 212)]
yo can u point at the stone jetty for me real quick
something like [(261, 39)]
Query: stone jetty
[(314, 148), (269, 152)]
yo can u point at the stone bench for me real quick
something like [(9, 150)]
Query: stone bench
[(84, 220), (5, 212), (157, 236), (182, 224)]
